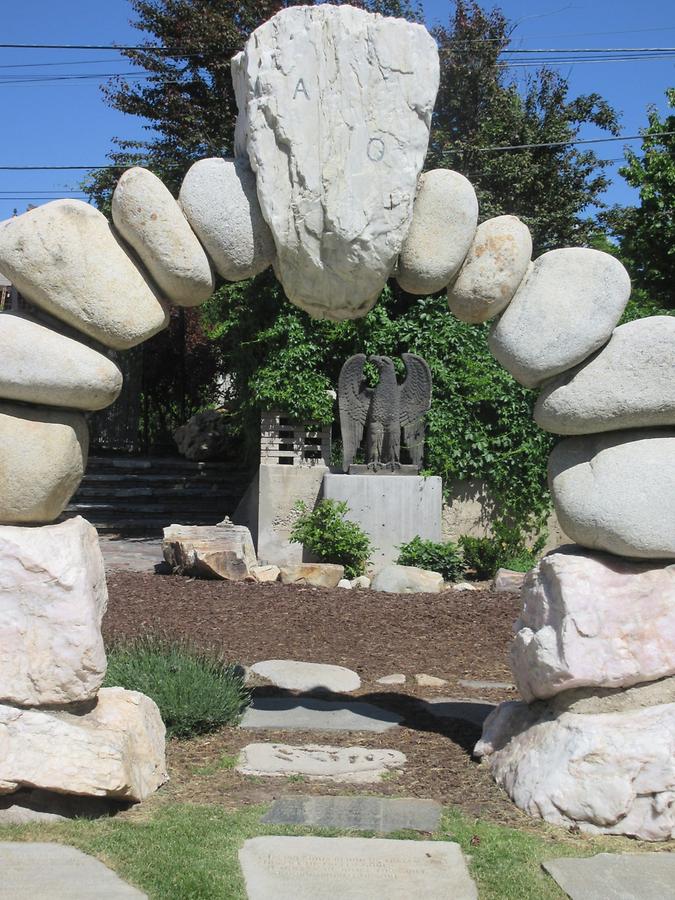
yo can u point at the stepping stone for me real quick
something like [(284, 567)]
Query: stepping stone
[(466, 710), (616, 876), (31, 871), (308, 714), (381, 814), (487, 685), (424, 680), (303, 676), (309, 868), (354, 764), (396, 678)]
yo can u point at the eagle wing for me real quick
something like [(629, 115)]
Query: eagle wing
[(415, 403), (354, 401)]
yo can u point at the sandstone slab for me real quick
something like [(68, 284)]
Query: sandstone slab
[(445, 214), (314, 868), (593, 620), (610, 773), (65, 258), (41, 366), (564, 310), (266, 574), (52, 599), (148, 218), (224, 552), (326, 575), (394, 579), (496, 264), (380, 814), (43, 455), (293, 675), (357, 765), (616, 491), (309, 714), (113, 748), (615, 876), (335, 107), (219, 199), (34, 870), (628, 384), (508, 581)]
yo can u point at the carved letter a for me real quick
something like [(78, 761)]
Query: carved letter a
[(300, 89)]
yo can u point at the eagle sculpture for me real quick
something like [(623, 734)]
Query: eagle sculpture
[(384, 410)]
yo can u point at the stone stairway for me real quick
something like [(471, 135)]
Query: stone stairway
[(142, 495)]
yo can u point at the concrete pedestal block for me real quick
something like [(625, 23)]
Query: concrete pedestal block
[(392, 511)]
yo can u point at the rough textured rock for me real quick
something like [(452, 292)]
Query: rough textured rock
[(509, 581), (345, 583), (591, 619), (41, 366), (496, 263), (334, 112), (219, 199), (359, 765), (396, 579), (630, 383), (429, 681), (148, 217), (224, 552), (114, 748), (564, 310), (266, 574), (316, 574), (205, 436), (610, 700), (616, 492), (65, 258), (43, 455), (612, 773), (396, 678), (52, 598), (445, 214), (293, 675), (361, 582)]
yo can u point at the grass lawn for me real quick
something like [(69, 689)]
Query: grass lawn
[(183, 851)]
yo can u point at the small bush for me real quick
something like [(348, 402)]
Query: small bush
[(194, 689), (326, 532), (505, 550), (442, 558)]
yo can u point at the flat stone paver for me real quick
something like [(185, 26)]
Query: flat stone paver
[(478, 685), (381, 814), (314, 868), (58, 872), (473, 711), (139, 554), (303, 676), (309, 714), (357, 765), (615, 876)]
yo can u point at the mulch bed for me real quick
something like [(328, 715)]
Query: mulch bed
[(454, 635)]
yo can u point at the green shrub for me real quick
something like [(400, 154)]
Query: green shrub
[(506, 549), (194, 689), (442, 558), (326, 532)]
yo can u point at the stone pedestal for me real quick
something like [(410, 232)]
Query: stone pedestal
[(392, 511)]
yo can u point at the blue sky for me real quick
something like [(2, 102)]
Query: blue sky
[(67, 123)]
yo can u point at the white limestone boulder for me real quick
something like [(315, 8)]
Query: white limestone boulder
[(223, 552), (444, 219), (335, 107), (115, 749), (52, 598), (593, 620), (148, 218), (394, 579), (43, 455), (630, 383), (41, 366), (610, 773), (563, 311), (219, 199), (65, 258), (616, 491), (496, 264)]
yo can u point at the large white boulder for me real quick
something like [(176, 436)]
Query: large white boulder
[(52, 598), (115, 749), (148, 217), (493, 269), (445, 214), (616, 491), (41, 366), (611, 773), (219, 198), (335, 107), (223, 552), (630, 383), (43, 455), (395, 579), (593, 620), (564, 310), (65, 258)]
